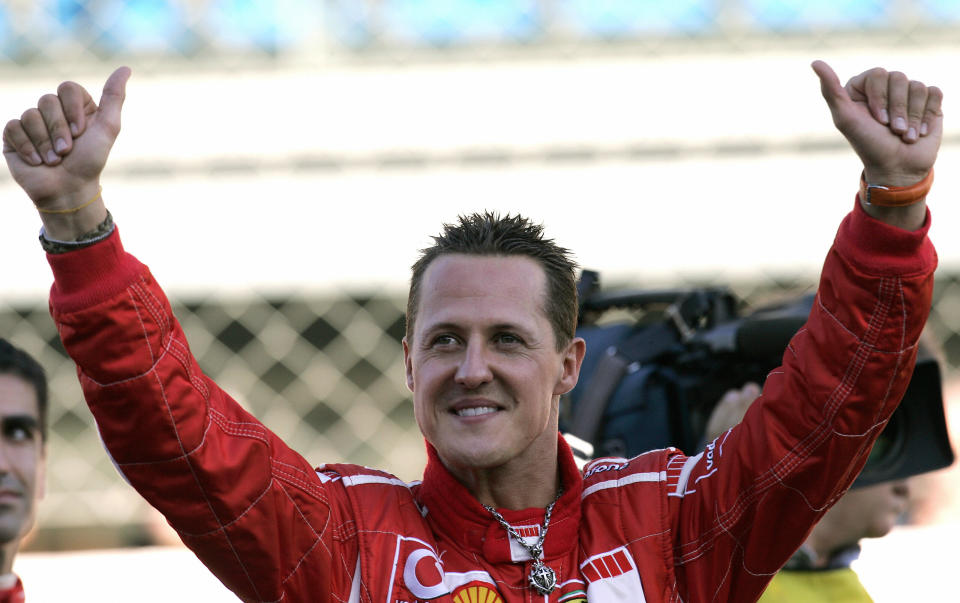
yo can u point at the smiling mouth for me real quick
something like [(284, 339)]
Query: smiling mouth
[(475, 411)]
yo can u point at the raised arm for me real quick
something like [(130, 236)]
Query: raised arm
[(253, 510), (742, 507)]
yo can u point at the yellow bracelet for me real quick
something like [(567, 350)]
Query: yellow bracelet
[(72, 209)]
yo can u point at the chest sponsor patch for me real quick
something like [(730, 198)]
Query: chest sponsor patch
[(605, 467), (420, 568), (612, 576), (477, 593)]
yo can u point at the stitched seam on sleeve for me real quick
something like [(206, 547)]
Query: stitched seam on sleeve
[(241, 429), (888, 289), (179, 350), (346, 530), (154, 303), (800, 452), (317, 537), (223, 526), (172, 459), (143, 327), (153, 307), (203, 491), (164, 321), (307, 485)]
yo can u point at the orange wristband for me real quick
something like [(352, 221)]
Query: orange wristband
[(895, 196)]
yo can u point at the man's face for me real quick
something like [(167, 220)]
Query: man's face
[(483, 363), (22, 457)]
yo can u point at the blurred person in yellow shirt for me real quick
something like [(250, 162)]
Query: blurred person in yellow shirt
[(821, 570)]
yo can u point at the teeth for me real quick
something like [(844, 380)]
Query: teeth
[(477, 411)]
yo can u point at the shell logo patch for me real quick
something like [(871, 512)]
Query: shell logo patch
[(481, 593)]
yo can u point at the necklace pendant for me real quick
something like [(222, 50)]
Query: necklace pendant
[(542, 578)]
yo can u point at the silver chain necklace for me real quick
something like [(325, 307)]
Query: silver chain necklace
[(542, 578)]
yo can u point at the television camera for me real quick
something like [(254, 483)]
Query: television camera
[(658, 361)]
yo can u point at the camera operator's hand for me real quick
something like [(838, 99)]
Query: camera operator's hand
[(730, 410), (894, 125), (57, 151)]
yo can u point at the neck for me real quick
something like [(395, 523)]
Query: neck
[(7, 552), (515, 485), (517, 492), (823, 543), (505, 488)]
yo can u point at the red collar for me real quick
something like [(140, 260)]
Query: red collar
[(455, 513)]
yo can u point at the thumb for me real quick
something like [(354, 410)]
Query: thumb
[(114, 92), (833, 92)]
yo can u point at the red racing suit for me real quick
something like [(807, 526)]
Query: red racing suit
[(661, 527), (14, 594)]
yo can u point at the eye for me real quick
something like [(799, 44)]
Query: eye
[(19, 429), (444, 340), (18, 433), (508, 339)]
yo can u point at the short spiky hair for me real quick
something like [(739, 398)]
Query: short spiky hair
[(489, 234), (16, 362)]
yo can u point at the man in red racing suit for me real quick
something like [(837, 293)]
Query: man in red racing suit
[(658, 527)]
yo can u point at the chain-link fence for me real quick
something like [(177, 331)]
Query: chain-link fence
[(324, 372)]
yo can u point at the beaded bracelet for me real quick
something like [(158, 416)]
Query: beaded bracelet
[(101, 232)]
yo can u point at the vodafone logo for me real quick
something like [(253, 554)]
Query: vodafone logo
[(423, 575)]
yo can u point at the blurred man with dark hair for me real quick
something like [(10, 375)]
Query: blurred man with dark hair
[(23, 410)]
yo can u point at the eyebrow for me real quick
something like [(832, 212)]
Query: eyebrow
[(452, 326)]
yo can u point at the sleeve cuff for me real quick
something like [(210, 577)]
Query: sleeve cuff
[(88, 276), (875, 247)]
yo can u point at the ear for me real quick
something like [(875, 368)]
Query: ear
[(571, 358), (408, 364)]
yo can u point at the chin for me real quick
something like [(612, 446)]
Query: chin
[(9, 533), (881, 529), (473, 459)]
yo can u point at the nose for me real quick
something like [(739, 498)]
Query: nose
[(474, 368)]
